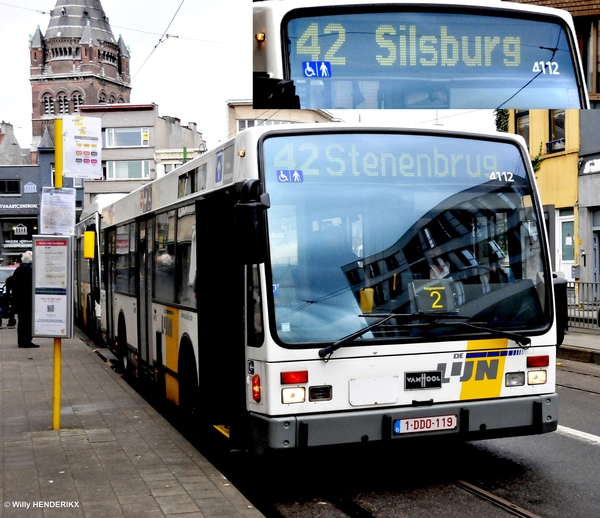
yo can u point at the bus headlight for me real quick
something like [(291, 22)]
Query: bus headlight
[(536, 377), (293, 395), (515, 379)]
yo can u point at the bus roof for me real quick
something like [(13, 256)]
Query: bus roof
[(99, 202)]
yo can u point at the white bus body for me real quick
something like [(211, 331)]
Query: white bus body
[(256, 331)]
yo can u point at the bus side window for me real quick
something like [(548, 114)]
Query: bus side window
[(164, 258), (185, 293), (186, 255), (165, 276)]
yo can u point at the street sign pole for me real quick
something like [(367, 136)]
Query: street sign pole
[(58, 182)]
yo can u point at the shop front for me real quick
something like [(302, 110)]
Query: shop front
[(17, 231)]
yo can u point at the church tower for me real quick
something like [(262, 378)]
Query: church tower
[(78, 61)]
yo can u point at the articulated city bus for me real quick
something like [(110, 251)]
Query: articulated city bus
[(312, 285), (344, 54)]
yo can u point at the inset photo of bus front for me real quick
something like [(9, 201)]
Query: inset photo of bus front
[(456, 54)]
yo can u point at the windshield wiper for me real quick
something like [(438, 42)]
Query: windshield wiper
[(433, 319), (326, 352), (522, 341)]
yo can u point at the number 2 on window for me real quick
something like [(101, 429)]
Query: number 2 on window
[(437, 303)]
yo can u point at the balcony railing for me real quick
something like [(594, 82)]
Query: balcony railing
[(583, 299)]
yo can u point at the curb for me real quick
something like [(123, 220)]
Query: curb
[(579, 354)]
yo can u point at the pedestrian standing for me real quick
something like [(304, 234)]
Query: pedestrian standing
[(22, 294)]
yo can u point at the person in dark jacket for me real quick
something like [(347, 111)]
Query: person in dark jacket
[(22, 297)]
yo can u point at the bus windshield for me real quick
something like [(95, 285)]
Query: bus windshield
[(364, 224), (417, 59)]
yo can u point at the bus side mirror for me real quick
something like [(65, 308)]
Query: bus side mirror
[(270, 93), (89, 248), (561, 305), (251, 223)]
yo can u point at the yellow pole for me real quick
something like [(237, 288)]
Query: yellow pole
[(58, 182), (56, 392)]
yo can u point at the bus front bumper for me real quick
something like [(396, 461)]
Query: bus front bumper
[(483, 419)]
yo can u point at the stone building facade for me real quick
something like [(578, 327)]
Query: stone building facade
[(77, 61)]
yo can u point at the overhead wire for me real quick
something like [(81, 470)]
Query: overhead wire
[(158, 34), (25, 8), (162, 38)]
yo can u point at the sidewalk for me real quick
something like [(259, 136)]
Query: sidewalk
[(114, 455), (581, 345)]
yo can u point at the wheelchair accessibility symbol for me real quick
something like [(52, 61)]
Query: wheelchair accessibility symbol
[(290, 176), (316, 68), (219, 167)]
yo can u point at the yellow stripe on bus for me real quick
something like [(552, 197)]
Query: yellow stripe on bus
[(172, 354), (483, 374)]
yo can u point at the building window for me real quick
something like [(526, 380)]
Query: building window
[(127, 169), (243, 124), (63, 104), (48, 105), (10, 187), (77, 102), (522, 123), (557, 132), (126, 137), (171, 167), (589, 33)]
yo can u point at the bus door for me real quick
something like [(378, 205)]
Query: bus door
[(91, 269), (108, 259), (78, 279), (220, 302), (145, 289)]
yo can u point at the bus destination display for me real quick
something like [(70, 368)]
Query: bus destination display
[(390, 158), (506, 54)]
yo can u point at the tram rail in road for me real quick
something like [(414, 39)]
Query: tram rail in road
[(350, 507), (495, 500)]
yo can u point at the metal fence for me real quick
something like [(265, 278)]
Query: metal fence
[(583, 299)]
